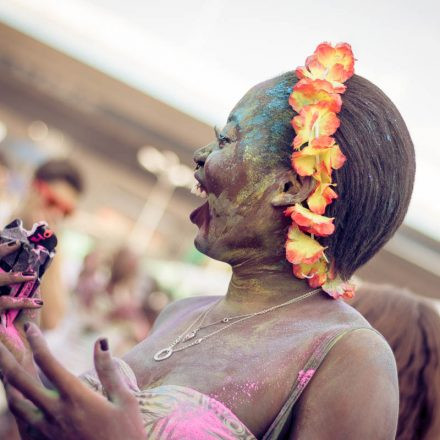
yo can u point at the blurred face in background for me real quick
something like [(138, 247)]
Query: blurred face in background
[(52, 201)]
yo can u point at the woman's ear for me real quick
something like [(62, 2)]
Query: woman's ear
[(294, 189)]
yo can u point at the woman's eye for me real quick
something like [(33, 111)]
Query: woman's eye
[(223, 140)]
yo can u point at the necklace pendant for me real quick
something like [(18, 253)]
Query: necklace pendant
[(190, 335), (163, 354)]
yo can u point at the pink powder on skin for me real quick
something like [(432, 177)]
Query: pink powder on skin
[(304, 377), (12, 335), (189, 422)]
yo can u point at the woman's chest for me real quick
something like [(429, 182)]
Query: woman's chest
[(250, 370)]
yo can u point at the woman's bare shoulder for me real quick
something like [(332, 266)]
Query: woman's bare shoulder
[(356, 383), (332, 314)]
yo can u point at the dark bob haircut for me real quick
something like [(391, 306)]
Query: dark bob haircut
[(376, 182), (60, 169)]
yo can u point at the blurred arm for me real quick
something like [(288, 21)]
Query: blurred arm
[(55, 296)]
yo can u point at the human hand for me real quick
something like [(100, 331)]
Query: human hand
[(72, 411), (12, 336)]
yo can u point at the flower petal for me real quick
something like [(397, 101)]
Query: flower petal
[(310, 222), (324, 151), (313, 121), (339, 60), (304, 163), (321, 197), (337, 288), (300, 248), (333, 64), (307, 92), (315, 273)]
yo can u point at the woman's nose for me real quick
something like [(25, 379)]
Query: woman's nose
[(202, 154)]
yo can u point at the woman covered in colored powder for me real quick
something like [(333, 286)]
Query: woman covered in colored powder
[(276, 357)]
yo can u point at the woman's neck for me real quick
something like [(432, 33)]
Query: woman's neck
[(255, 285)]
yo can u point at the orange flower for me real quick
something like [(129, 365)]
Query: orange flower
[(321, 150), (341, 56), (300, 248), (334, 64), (312, 122), (310, 222), (307, 92), (337, 288), (316, 97), (315, 273), (330, 154), (322, 196)]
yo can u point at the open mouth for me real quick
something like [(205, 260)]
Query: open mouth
[(200, 216)]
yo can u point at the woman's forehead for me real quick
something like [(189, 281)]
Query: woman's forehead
[(262, 106)]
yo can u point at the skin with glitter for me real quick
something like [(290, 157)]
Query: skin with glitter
[(251, 367)]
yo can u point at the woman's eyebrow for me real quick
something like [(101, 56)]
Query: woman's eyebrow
[(233, 123), (232, 118)]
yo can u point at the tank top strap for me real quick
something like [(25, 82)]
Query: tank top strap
[(281, 425)]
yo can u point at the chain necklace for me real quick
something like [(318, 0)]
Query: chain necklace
[(197, 325)]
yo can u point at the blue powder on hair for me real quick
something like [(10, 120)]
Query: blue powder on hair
[(281, 90), (277, 128)]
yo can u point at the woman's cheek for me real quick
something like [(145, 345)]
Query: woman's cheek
[(224, 172)]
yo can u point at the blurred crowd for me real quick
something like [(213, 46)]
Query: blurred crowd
[(110, 296)]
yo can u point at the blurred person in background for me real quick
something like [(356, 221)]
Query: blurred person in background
[(126, 298), (155, 301), (53, 195), (411, 325), (115, 308), (91, 280)]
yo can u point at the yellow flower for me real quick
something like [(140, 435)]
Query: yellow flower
[(334, 64), (310, 222), (313, 121), (300, 248)]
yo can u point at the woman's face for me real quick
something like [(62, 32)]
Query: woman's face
[(241, 171)]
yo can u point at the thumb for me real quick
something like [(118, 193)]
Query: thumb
[(110, 376)]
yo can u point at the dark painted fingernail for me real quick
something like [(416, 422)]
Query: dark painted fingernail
[(28, 273), (26, 326), (103, 343), (13, 243), (38, 302)]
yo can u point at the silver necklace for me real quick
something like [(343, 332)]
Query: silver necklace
[(197, 325)]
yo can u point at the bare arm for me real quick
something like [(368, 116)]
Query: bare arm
[(354, 394), (55, 296)]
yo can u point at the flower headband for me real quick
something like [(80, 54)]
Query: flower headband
[(316, 98)]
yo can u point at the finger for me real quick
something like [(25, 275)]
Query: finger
[(21, 407), (11, 303), (65, 382), (109, 374), (31, 422), (9, 247), (15, 375), (7, 278)]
